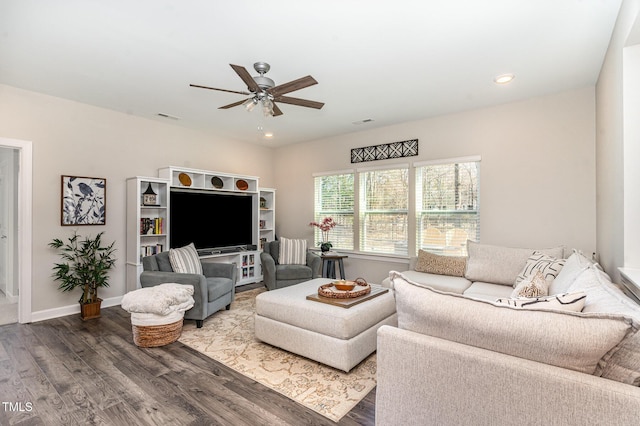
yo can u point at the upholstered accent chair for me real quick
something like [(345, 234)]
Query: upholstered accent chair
[(213, 290), (276, 275)]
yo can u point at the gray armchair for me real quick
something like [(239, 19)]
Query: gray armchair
[(278, 276), (213, 290)]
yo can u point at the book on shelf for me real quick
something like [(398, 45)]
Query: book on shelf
[(151, 225), (150, 250)]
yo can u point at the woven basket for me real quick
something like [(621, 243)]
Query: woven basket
[(150, 336)]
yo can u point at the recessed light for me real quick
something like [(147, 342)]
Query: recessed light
[(268, 135), (503, 78)]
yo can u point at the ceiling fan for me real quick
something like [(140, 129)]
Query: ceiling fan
[(263, 90)]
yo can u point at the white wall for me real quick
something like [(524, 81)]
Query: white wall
[(610, 179), (71, 138), (537, 171), (631, 106)]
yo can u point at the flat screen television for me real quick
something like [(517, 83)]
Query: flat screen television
[(210, 220)]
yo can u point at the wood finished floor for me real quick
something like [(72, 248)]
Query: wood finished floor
[(84, 373)]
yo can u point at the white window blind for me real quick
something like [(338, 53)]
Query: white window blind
[(384, 204), (447, 206), (334, 197)]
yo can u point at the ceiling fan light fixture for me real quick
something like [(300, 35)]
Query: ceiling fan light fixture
[(503, 78), (267, 107), (250, 104)]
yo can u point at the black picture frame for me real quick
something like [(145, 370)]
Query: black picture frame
[(83, 201)]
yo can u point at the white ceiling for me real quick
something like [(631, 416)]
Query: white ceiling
[(389, 61)]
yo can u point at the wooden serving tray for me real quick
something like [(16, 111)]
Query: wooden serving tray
[(331, 290), (347, 303)]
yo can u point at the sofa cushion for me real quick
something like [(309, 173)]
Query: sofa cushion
[(565, 302), (498, 264), (532, 286), (273, 248), (218, 287), (293, 272), (185, 260), (163, 262), (486, 291), (570, 340), (604, 296), (550, 266), (575, 264), (440, 282), (293, 252), (442, 265)]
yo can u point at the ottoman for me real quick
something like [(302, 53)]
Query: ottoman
[(332, 335)]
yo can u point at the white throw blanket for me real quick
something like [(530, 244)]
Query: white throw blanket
[(163, 299)]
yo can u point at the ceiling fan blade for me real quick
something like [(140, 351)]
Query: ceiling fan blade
[(221, 90), (232, 105), (246, 77), (300, 102), (276, 110), (298, 84)]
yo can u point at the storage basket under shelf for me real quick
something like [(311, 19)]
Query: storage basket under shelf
[(149, 336)]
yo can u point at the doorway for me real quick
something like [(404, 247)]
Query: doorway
[(16, 168), (9, 284)]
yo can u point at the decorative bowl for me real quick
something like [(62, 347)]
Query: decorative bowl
[(242, 185), (344, 285), (184, 179)]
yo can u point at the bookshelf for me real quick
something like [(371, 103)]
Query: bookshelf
[(267, 223), (147, 223)]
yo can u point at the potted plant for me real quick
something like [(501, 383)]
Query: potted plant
[(325, 226), (85, 264)]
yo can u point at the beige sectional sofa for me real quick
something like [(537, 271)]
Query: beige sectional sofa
[(459, 357)]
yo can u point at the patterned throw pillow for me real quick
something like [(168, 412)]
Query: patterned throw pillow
[(185, 260), (293, 252), (441, 265), (532, 286), (567, 302), (538, 261)]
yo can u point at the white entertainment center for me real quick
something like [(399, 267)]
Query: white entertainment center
[(149, 212)]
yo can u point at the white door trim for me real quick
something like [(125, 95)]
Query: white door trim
[(25, 214)]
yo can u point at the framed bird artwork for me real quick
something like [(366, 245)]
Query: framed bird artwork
[(84, 201)]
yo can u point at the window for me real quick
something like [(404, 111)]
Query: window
[(384, 208), (447, 205), (334, 198)]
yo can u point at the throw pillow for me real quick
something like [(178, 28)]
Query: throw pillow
[(185, 260), (538, 261), (573, 302), (573, 267), (572, 340), (442, 265), (533, 286), (498, 264), (293, 252)]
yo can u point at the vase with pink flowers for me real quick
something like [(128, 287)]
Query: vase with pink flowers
[(326, 225)]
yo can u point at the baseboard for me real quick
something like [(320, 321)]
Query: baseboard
[(74, 309)]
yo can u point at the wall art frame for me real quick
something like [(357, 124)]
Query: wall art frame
[(83, 201), (385, 151)]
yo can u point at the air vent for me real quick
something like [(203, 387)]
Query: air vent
[(172, 117), (366, 120)]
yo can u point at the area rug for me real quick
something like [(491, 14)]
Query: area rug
[(228, 337)]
